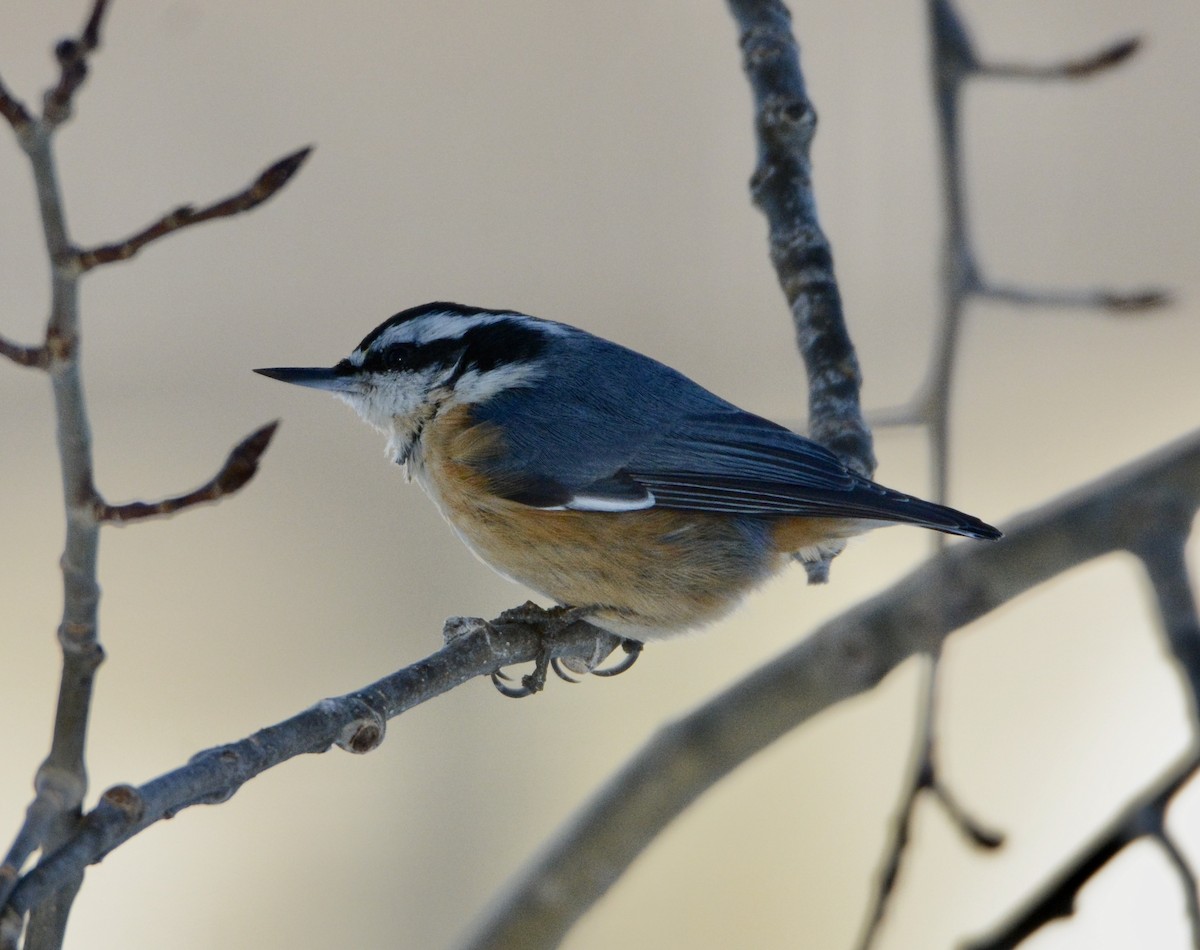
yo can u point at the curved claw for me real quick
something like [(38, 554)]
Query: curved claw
[(633, 649), (557, 667), (512, 692)]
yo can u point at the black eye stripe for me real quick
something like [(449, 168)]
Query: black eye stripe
[(481, 348)]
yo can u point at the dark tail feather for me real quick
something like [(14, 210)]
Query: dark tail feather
[(905, 509)]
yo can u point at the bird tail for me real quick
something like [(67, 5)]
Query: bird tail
[(897, 507)]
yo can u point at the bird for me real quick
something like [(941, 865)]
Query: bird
[(597, 476)]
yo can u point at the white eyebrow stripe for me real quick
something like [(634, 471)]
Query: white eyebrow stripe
[(452, 326)]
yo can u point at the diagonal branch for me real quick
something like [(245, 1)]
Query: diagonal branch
[(14, 111), (262, 188), (1057, 898), (354, 722), (843, 658), (35, 356), (238, 469)]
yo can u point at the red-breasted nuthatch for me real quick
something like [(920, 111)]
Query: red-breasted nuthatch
[(598, 476)]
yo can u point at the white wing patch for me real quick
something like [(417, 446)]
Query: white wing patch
[(584, 502)]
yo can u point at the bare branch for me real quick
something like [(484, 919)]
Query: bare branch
[(924, 777), (1187, 878), (845, 657), (1141, 817), (35, 356), (781, 185), (238, 469), (14, 111), (1083, 68), (262, 188), (72, 57), (1134, 301), (353, 722)]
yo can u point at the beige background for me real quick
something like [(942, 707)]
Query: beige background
[(585, 162)]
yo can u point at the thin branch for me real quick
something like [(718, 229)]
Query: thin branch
[(843, 658), (1163, 555), (1057, 899), (1083, 68), (924, 777), (1134, 301), (72, 57), (35, 356), (238, 469), (14, 112), (1187, 880), (954, 60), (262, 188), (354, 722)]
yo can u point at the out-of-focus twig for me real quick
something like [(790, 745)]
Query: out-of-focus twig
[(72, 55), (1082, 68), (953, 61), (34, 356), (924, 778), (1056, 900)]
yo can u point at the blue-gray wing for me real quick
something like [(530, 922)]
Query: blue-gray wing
[(646, 436)]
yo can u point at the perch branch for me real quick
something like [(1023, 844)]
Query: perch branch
[(355, 722), (843, 658), (262, 188), (238, 469)]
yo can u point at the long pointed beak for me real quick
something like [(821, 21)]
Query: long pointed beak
[(313, 377)]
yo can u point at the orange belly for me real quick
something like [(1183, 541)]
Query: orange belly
[(646, 573)]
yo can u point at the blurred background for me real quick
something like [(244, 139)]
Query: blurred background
[(585, 162)]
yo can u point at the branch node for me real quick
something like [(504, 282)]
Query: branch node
[(364, 734), (127, 800)]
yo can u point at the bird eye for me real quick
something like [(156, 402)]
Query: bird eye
[(395, 357)]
